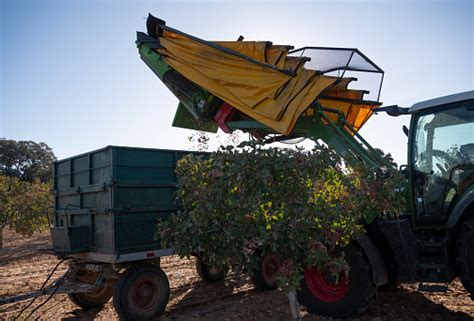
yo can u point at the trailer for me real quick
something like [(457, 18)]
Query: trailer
[(108, 203)]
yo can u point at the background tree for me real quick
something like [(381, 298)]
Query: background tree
[(25, 186), (26, 160)]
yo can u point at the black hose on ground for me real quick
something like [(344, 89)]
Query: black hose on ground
[(42, 287)]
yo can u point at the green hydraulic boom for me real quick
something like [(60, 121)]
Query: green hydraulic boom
[(198, 103)]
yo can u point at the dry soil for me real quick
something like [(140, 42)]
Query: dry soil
[(23, 268)]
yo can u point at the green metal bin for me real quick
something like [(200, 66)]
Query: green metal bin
[(108, 201)]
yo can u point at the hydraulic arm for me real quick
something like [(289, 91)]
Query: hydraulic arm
[(220, 87)]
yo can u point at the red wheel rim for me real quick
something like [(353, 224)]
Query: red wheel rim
[(144, 294), (324, 289)]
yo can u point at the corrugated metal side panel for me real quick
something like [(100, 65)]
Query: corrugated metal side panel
[(118, 193), (83, 202), (145, 188)]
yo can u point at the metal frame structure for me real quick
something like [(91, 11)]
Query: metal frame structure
[(339, 135), (347, 65)]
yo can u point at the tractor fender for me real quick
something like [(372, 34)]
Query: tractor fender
[(466, 199), (379, 271)]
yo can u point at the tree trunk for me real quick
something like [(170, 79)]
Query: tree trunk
[(1, 237)]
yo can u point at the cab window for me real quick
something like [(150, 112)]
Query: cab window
[(443, 159)]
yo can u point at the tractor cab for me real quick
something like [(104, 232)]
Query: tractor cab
[(434, 242), (441, 155)]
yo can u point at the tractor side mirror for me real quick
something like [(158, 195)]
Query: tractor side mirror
[(405, 130), (404, 170)]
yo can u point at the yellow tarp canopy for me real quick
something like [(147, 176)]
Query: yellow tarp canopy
[(275, 91)]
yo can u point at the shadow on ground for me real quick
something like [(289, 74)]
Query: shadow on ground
[(80, 314), (236, 299)]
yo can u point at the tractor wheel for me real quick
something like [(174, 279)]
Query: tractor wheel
[(349, 297), (141, 293), (210, 273), (92, 299), (265, 279), (465, 255)]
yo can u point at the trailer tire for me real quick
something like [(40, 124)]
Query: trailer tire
[(266, 277), (141, 293), (87, 300), (346, 299), (210, 273), (465, 255)]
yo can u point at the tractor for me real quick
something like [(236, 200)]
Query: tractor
[(277, 94)]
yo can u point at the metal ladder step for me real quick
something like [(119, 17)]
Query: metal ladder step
[(431, 243), (432, 287), (433, 272), (432, 266)]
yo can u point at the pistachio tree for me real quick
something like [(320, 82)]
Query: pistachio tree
[(300, 206)]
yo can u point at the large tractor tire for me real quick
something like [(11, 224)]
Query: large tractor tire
[(465, 254), (210, 273), (347, 298), (141, 293), (97, 298), (266, 277)]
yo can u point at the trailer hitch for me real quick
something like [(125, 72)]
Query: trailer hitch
[(68, 282)]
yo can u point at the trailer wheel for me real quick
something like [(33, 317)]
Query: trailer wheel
[(92, 299), (465, 255), (141, 293), (349, 297), (266, 278), (210, 273)]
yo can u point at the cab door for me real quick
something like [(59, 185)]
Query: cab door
[(442, 158)]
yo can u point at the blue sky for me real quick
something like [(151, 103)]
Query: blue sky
[(71, 75)]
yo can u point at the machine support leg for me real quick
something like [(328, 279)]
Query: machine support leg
[(294, 306)]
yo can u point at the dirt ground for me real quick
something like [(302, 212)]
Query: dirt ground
[(24, 268)]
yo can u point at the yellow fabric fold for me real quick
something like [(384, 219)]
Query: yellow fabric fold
[(255, 49), (260, 91), (356, 113)]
